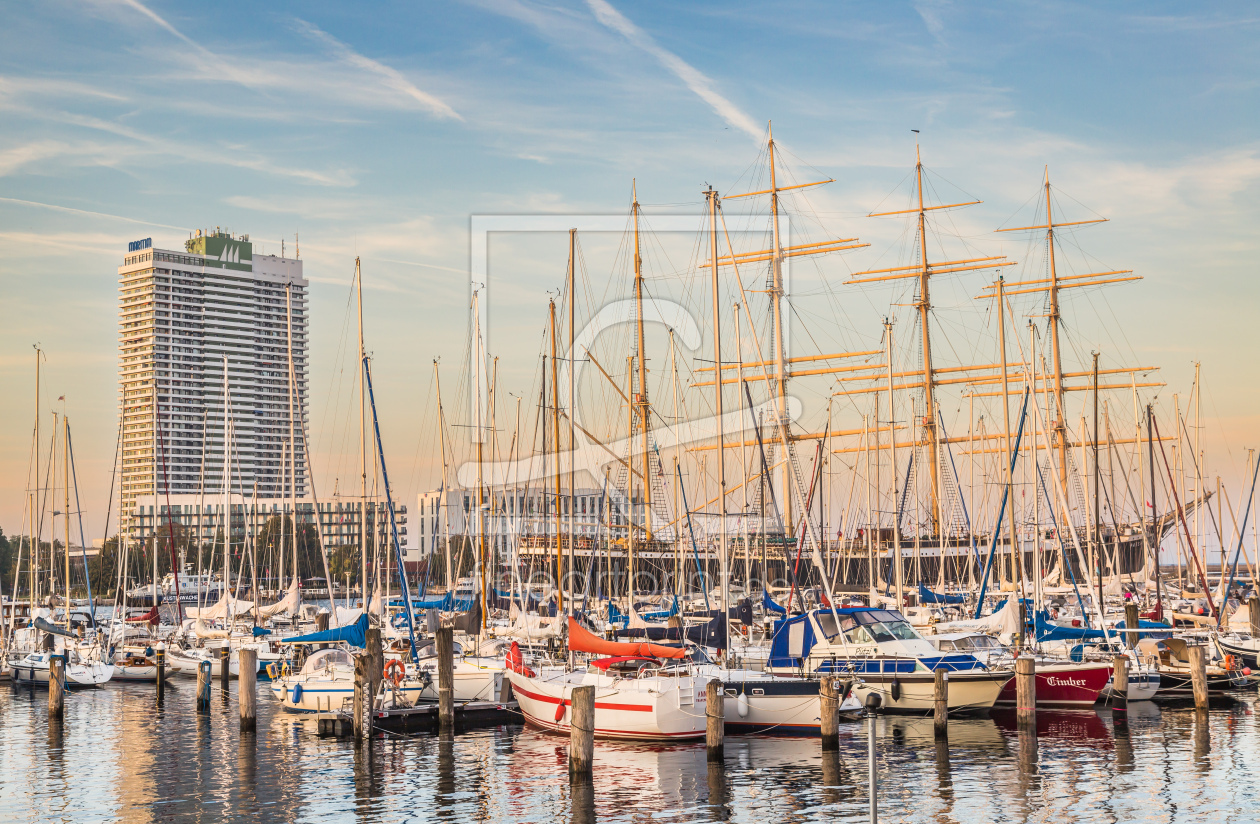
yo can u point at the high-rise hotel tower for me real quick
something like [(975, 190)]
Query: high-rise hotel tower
[(185, 316)]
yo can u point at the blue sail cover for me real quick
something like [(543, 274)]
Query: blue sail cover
[(927, 596), (661, 614), (353, 634), (768, 603), (443, 603), (1047, 631)]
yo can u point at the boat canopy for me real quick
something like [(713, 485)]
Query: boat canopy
[(355, 635)]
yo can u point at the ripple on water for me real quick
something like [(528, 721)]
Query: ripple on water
[(117, 757)]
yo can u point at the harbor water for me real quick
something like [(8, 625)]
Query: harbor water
[(118, 757)]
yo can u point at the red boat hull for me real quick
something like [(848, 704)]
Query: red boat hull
[(1063, 685)]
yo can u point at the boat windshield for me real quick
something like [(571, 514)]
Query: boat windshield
[(328, 657), (983, 642), (893, 631)]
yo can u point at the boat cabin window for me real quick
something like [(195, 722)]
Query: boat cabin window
[(859, 635), (892, 631), (984, 642), (827, 623)]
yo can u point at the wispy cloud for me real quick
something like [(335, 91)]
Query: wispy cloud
[(392, 78), (693, 78), (87, 213)]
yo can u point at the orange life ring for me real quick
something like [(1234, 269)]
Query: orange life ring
[(394, 671)]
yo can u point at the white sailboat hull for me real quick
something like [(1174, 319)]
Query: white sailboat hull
[(653, 709)]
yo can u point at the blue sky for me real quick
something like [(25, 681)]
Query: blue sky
[(378, 129)]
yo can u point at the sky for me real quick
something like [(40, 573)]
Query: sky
[(380, 130)]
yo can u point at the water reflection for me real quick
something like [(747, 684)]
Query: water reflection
[(719, 796), (116, 758)]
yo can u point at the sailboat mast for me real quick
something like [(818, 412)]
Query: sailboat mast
[(363, 549), (924, 306), (724, 561), (288, 300), (445, 537), (776, 304), (1017, 558), (555, 443), (892, 460), (1098, 542), (37, 519), (572, 402), (641, 399), (65, 511), (1060, 429)]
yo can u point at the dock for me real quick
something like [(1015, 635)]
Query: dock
[(422, 718)]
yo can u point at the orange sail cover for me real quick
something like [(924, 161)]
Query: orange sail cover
[(582, 640)]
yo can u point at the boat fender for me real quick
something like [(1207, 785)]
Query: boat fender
[(741, 705), (896, 690), (297, 694), (559, 711)]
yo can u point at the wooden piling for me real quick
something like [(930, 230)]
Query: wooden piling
[(581, 731), (446, 677), (1131, 623), (715, 720), (224, 671), (1198, 676), (1253, 614), (1025, 689), (159, 657), (1120, 686), (361, 700), (56, 685), (940, 703), (376, 671), (247, 692), (203, 687), (829, 713)]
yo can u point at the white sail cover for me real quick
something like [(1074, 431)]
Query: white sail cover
[(530, 627), (1240, 619), (343, 617), (290, 603), (1004, 623), (374, 605), (222, 608)]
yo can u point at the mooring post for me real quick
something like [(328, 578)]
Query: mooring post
[(376, 668), (246, 688), (56, 685), (1253, 615), (715, 720), (203, 686), (361, 700), (446, 677), (581, 731), (1198, 677), (1120, 687), (225, 671), (1026, 690), (1131, 623), (829, 713), (159, 657), (940, 703)]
